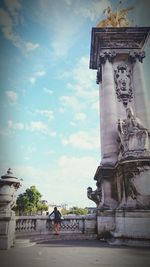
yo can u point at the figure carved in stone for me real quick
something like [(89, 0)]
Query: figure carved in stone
[(122, 76), (94, 195), (133, 136), (128, 191), (115, 19)]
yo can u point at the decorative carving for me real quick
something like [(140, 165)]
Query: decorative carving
[(134, 138), (130, 193), (134, 55), (122, 78), (107, 55), (134, 44), (95, 195)]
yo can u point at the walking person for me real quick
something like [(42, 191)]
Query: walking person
[(57, 220)]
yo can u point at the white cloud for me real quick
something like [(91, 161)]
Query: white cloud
[(83, 140), (50, 152), (30, 46), (48, 91), (61, 110), (8, 23), (72, 123), (47, 113), (37, 126), (83, 83), (40, 73), (32, 80), (71, 102), (80, 116), (15, 125), (79, 167), (33, 126), (12, 97), (37, 74), (83, 86), (93, 10)]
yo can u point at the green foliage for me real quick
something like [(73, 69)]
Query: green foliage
[(42, 207), (75, 210), (64, 211), (29, 202), (79, 211)]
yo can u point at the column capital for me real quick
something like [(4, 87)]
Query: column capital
[(134, 55), (107, 55)]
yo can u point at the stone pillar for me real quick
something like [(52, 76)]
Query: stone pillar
[(108, 120), (8, 187), (140, 94)]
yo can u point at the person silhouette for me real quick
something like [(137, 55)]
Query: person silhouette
[(57, 220)]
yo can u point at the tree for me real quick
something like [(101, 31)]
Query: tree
[(75, 210), (79, 211), (42, 207), (29, 202)]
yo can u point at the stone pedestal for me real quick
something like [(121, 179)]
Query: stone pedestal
[(8, 187), (7, 230), (122, 178), (131, 228), (124, 227)]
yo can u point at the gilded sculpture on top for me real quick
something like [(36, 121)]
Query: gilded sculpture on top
[(115, 19)]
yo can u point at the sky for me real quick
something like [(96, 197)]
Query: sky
[(49, 99)]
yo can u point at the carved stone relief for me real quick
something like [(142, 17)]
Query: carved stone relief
[(110, 55), (129, 190), (134, 55), (134, 44), (122, 76), (134, 138)]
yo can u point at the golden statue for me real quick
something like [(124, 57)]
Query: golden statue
[(117, 19)]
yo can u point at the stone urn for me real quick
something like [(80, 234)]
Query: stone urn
[(9, 185)]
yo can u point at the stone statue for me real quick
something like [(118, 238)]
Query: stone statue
[(122, 76), (117, 19), (94, 195), (133, 136)]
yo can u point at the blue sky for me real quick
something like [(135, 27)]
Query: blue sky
[(49, 124)]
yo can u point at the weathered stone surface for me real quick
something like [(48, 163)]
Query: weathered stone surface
[(124, 171), (8, 187)]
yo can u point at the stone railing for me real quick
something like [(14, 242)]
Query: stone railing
[(32, 225)]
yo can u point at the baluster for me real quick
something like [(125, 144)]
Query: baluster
[(33, 225), (29, 227)]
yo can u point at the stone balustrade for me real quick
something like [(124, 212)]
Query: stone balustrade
[(40, 224)]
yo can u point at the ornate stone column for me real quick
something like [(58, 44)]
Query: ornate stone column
[(140, 98), (123, 189), (108, 111)]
